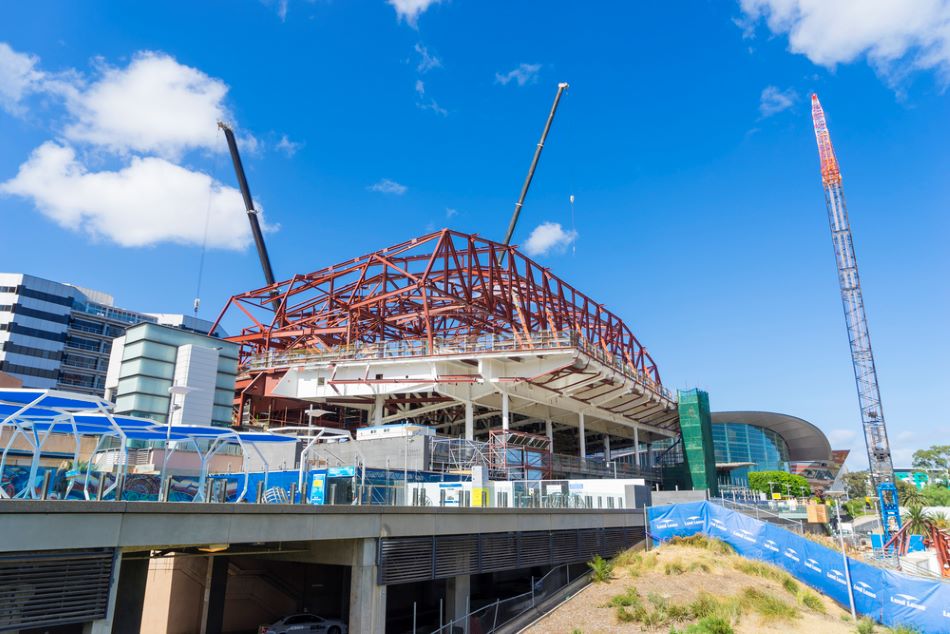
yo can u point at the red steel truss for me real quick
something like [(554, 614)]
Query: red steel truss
[(444, 284)]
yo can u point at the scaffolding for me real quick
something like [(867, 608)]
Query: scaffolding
[(515, 455), (456, 455)]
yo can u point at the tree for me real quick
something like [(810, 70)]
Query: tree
[(908, 494), (935, 461), (935, 495), (856, 483), (779, 482), (917, 521)]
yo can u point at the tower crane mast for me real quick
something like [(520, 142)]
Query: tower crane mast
[(865, 372)]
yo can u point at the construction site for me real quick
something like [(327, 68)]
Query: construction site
[(443, 422)]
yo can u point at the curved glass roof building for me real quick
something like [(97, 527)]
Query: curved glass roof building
[(764, 441)]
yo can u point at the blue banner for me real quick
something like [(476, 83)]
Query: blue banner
[(676, 520), (886, 596)]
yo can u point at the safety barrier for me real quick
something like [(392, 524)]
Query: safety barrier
[(886, 596), (493, 616)]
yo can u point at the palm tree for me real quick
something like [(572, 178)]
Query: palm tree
[(911, 496), (917, 521)]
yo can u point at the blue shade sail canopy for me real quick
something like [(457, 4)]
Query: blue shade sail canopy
[(68, 401)]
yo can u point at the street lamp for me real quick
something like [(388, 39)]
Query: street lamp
[(173, 391), (838, 496)]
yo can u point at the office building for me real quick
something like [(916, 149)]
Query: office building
[(167, 373), (55, 335)]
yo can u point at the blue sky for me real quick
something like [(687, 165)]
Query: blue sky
[(685, 138)]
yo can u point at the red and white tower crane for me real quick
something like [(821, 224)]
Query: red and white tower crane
[(865, 373)]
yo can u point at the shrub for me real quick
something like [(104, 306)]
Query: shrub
[(710, 625), (699, 566), (600, 569), (770, 607), (699, 540), (812, 601), (674, 568), (629, 598), (790, 585), (903, 629), (865, 626)]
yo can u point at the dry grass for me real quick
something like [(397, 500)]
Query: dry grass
[(696, 586)]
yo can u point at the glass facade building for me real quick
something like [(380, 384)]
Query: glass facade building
[(737, 443)]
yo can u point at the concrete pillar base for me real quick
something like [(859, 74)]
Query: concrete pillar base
[(457, 592), (367, 598)]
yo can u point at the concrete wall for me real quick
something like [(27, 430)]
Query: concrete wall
[(37, 525), (662, 498)]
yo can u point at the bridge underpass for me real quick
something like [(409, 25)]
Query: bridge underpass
[(343, 561)]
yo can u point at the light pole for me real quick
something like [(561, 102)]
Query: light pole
[(173, 391), (838, 496)]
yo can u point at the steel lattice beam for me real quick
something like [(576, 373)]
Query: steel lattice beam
[(442, 285)]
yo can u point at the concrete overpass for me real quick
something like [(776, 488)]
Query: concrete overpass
[(380, 546)]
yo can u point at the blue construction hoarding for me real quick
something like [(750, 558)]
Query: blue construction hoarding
[(886, 596)]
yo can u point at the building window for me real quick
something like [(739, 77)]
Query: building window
[(33, 332), (14, 368), (739, 442), (82, 344)]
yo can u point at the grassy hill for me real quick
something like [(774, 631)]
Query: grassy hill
[(697, 586)]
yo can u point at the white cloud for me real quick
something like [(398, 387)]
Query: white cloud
[(18, 77), (775, 100), (895, 36), (450, 212), (149, 201), (427, 61), (547, 237), (420, 88), (282, 10), (842, 438), (287, 146), (155, 105), (141, 118), (410, 10), (524, 74), (434, 106), (387, 186)]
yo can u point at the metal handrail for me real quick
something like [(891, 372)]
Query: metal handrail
[(493, 610), (405, 348), (754, 511)]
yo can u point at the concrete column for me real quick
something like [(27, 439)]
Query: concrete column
[(216, 587), (581, 435), (457, 591), (636, 444), (607, 447), (367, 599), (126, 598), (469, 422), (504, 411), (549, 432), (378, 409)]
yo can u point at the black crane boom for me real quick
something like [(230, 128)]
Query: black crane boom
[(249, 204), (534, 164)]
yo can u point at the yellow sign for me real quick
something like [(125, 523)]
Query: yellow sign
[(776, 496)]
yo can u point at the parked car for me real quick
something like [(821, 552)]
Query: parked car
[(304, 623)]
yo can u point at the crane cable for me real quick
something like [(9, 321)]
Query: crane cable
[(204, 241), (572, 164)]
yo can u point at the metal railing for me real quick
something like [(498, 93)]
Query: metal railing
[(407, 348), (493, 616), (753, 510)]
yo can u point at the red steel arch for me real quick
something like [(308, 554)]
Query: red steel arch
[(442, 285)]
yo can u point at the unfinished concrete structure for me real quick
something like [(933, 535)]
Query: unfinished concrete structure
[(454, 331)]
